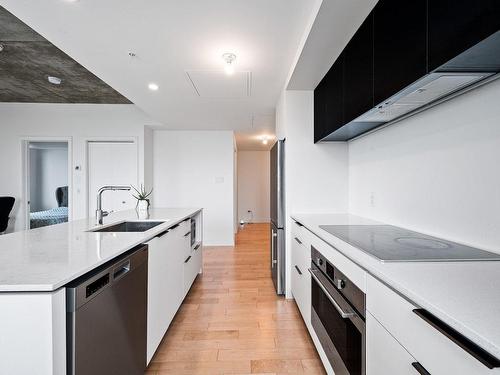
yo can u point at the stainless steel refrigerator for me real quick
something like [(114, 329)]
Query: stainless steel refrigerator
[(278, 216)]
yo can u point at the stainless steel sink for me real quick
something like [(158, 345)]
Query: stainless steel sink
[(129, 226)]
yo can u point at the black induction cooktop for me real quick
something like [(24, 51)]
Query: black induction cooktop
[(388, 243)]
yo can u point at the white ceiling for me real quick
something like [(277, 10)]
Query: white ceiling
[(173, 38)]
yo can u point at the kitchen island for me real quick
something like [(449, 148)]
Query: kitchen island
[(35, 265)]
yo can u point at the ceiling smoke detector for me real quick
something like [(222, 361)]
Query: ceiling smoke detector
[(229, 59), (54, 80)]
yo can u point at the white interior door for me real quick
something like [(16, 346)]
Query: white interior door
[(111, 163)]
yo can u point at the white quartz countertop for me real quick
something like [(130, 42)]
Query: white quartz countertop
[(45, 259), (465, 295)]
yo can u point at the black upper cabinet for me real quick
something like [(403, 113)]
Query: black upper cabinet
[(329, 101), (358, 72), (400, 39), (457, 25), (320, 130), (399, 43)]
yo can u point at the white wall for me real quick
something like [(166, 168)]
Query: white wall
[(436, 172), (195, 169), (79, 123), (253, 185), (316, 175), (48, 171)]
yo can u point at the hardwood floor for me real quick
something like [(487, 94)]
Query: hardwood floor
[(232, 322)]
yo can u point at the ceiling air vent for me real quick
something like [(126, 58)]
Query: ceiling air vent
[(217, 84)]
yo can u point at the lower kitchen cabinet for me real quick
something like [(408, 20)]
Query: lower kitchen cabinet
[(301, 279), (167, 281), (433, 344), (384, 355), (192, 267)]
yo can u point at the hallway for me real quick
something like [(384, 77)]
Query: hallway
[(232, 322)]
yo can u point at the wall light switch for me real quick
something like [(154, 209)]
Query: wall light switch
[(219, 180)]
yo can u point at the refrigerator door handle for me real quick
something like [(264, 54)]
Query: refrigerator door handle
[(272, 248), (273, 260)]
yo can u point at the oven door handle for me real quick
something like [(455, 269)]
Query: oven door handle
[(343, 314)]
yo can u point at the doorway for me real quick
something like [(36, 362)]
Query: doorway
[(47, 183), (111, 163)]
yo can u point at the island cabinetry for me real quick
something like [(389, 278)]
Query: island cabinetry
[(165, 284)]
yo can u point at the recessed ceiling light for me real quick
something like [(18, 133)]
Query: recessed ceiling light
[(153, 87), (54, 80), (265, 139), (229, 59), (1, 47)]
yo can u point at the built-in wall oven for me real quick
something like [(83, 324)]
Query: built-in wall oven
[(338, 316)]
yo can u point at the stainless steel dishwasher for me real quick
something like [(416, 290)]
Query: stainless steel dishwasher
[(106, 318)]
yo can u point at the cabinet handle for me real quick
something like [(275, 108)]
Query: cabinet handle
[(299, 224), (187, 234), (298, 241), (474, 350), (163, 233), (175, 226), (421, 369), (197, 247), (298, 270), (187, 259)]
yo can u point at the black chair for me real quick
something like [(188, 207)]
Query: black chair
[(62, 196), (6, 204)]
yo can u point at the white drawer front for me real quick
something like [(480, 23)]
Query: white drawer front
[(437, 353), (384, 355), (301, 280)]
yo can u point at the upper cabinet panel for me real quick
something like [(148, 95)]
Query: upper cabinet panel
[(358, 72), (400, 45), (329, 100), (457, 25), (320, 130)]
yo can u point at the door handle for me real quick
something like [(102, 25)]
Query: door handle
[(342, 313), (163, 233), (420, 369), (121, 270)]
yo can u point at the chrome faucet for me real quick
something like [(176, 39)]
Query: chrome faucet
[(99, 213)]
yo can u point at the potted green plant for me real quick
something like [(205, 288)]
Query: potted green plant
[(142, 196)]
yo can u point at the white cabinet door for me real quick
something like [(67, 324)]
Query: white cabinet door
[(301, 279), (384, 355), (157, 310), (165, 286), (192, 268)]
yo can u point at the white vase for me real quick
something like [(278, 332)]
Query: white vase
[(142, 208)]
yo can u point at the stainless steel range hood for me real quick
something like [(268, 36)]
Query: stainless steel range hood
[(426, 90)]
